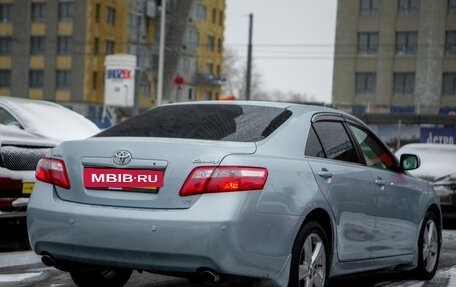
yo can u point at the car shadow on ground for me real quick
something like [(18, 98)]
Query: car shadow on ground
[(13, 235), (373, 278)]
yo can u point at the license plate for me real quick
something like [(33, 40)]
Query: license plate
[(115, 178), (27, 187)]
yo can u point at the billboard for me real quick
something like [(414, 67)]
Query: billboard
[(439, 135), (120, 80)]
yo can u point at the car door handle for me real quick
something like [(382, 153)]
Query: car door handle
[(325, 173), (379, 182)]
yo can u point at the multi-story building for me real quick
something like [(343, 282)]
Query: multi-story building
[(395, 56), (197, 73), (55, 49)]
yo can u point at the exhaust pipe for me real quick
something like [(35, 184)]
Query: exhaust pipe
[(48, 260), (210, 275)]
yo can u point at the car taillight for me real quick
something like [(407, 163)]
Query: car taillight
[(210, 179), (52, 171)]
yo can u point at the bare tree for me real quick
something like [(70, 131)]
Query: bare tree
[(235, 70)]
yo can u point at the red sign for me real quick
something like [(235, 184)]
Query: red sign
[(179, 80), (122, 178)]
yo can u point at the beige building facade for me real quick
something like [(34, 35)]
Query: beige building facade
[(395, 56), (55, 50)]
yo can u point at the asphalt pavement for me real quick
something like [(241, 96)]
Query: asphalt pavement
[(20, 267)]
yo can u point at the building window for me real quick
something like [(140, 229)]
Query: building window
[(209, 68), (207, 95), (109, 47), (5, 12), (449, 84), (37, 45), (5, 78), (406, 43), (210, 43), (201, 11), (110, 16), (38, 12), (218, 70), (450, 42), (64, 45), (369, 7), (97, 13), (407, 7), (221, 18), (36, 79), (214, 16), (368, 43), (193, 38), (134, 21), (5, 45), (96, 46), (404, 84), (452, 6), (66, 11), (219, 45), (365, 83), (186, 65), (63, 79), (94, 80)]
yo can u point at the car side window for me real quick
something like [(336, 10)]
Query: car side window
[(335, 141), (313, 145), (7, 119), (375, 154)]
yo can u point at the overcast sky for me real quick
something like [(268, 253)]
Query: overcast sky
[(293, 42)]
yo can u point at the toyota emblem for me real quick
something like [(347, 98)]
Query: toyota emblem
[(121, 157)]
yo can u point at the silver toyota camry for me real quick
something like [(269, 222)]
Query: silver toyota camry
[(285, 194)]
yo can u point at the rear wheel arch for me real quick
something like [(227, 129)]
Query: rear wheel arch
[(323, 218), (311, 251)]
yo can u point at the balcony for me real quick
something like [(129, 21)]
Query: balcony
[(210, 79)]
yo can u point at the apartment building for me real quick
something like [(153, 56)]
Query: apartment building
[(395, 56), (55, 49)]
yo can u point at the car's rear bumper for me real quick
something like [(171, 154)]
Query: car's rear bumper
[(221, 238)]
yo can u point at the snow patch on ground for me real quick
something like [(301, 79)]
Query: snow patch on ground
[(17, 277), (18, 258)]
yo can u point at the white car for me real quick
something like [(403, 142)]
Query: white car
[(437, 167), (46, 119), (28, 129)]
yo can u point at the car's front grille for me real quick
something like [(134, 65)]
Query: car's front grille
[(21, 158)]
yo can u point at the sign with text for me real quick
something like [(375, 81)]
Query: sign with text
[(443, 135)]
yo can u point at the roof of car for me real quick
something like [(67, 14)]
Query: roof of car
[(48, 119)]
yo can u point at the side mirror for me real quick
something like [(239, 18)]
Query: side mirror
[(410, 161)]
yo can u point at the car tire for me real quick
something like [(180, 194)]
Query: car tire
[(311, 242), (101, 278), (429, 243)]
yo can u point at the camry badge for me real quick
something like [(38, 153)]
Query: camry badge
[(121, 157)]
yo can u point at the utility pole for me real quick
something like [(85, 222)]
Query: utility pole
[(161, 55), (249, 60)]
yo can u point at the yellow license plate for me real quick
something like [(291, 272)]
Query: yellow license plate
[(27, 187)]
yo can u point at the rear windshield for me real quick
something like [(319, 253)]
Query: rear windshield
[(242, 123)]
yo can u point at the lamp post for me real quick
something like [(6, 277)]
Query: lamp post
[(161, 55), (249, 60)]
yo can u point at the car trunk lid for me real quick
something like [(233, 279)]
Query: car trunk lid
[(170, 157)]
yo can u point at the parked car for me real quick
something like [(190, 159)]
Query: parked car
[(46, 119), (28, 129), (437, 166), (288, 194), (20, 152)]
